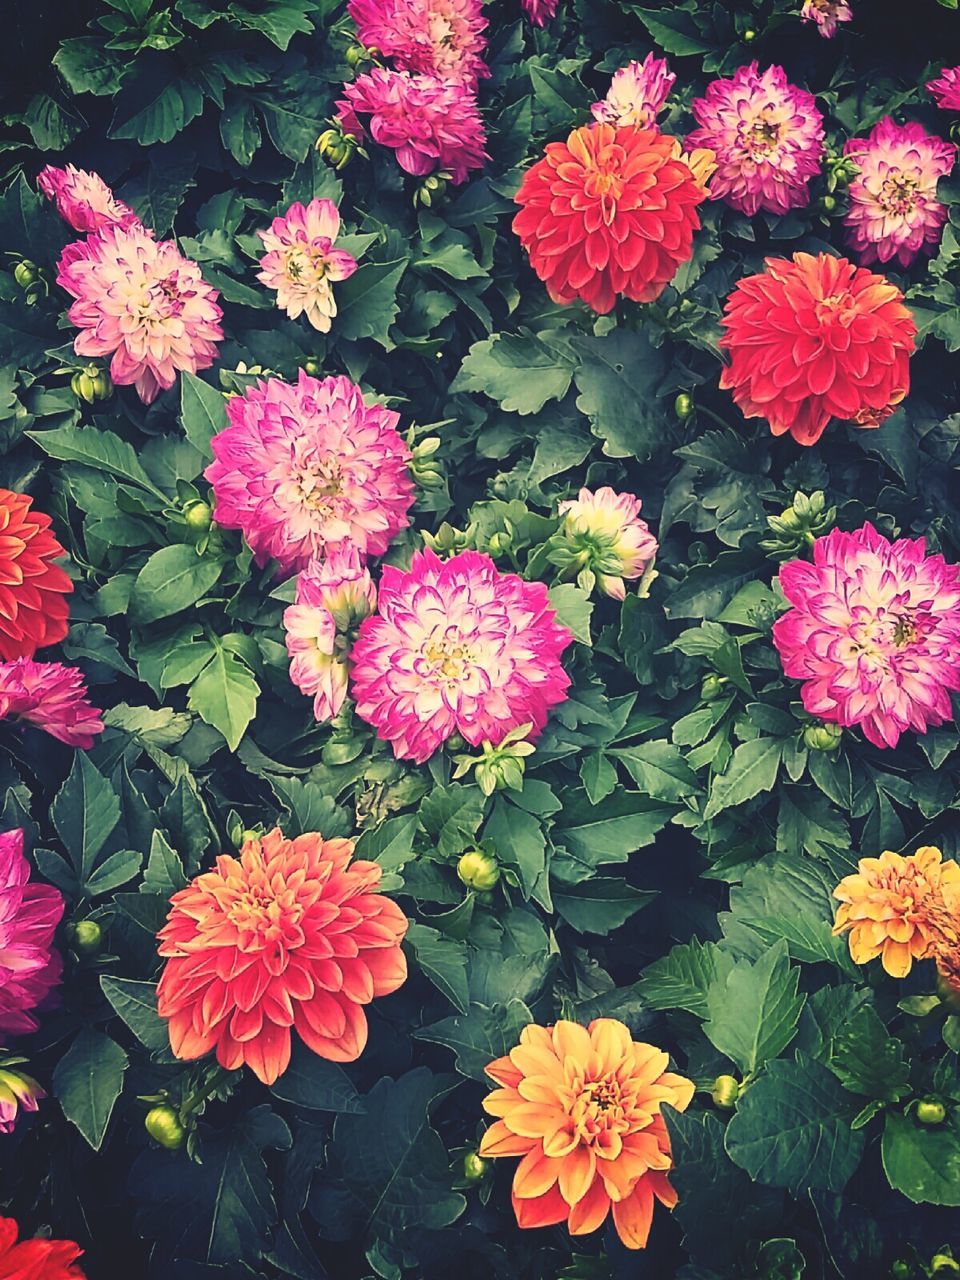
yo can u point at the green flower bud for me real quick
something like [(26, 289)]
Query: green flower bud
[(475, 1167), (246, 836), (931, 1112), (198, 515), (712, 687), (478, 870), (683, 406), (902, 1269), (336, 147), (91, 384), (26, 273), (749, 36), (822, 737), (164, 1126), (829, 203), (85, 937), (356, 54), (313, 367), (948, 991), (430, 190), (725, 1092)]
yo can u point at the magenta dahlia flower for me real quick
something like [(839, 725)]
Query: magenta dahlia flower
[(29, 914), (434, 37), (431, 124), (84, 200), (894, 210), (637, 93), (945, 89), (540, 11), (141, 302), (768, 138), (304, 470), (874, 633), (302, 264), (457, 647), (52, 697), (827, 14)]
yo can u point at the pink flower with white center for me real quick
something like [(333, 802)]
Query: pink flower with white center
[(52, 697), (433, 125), (540, 11), (874, 633), (945, 89), (457, 647), (637, 93), (894, 210), (141, 302), (304, 470), (84, 200), (18, 1092), (29, 914), (435, 37), (768, 137), (302, 264), (827, 14), (608, 538)]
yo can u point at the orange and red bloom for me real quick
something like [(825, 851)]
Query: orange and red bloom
[(33, 587), (36, 1259)]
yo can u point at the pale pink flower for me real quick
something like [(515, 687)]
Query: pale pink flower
[(84, 200), (301, 262), (52, 697), (945, 89), (141, 302), (874, 633), (29, 914), (540, 11), (457, 647), (637, 93), (436, 37), (827, 14), (894, 210), (18, 1091), (304, 470), (768, 137), (431, 124), (608, 538)]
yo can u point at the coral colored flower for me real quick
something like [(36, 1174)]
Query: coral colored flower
[(18, 1091), (306, 469), (52, 697), (29, 913), (431, 124), (289, 936), (945, 89), (33, 588), (301, 262), (434, 37), (84, 200), (812, 339), (637, 93), (36, 1259), (457, 647), (605, 531), (827, 14), (540, 11), (894, 210), (610, 212), (768, 137), (582, 1106), (874, 633), (142, 303), (889, 907)]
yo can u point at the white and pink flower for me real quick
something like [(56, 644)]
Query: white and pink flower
[(301, 263)]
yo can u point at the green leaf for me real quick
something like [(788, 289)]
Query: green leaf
[(674, 30), (923, 1163), (279, 23), (203, 412), (52, 126), (618, 380), (601, 904), (112, 872), (752, 770), (317, 1084), (310, 809), (87, 1081), (443, 960), (101, 450), (517, 370), (867, 1060), (152, 107), (88, 66), (136, 1004), (609, 831), (164, 873), (574, 609), (519, 842), (174, 578), (808, 823), (390, 844), (480, 1035), (85, 811), (683, 977), (659, 770), (754, 1009), (367, 303), (451, 816), (224, 695)]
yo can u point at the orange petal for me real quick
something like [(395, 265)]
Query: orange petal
[(543, 1212), (897, 959), (499, 1141), (577, 1171), (535, 1175), (611, 1039), (591, 1212), (633, 1217)]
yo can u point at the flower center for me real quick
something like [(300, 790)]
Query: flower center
[(904, 632), (898, 194), (306, 264), (448, 658), (599, 1106), (260, 911), (762, 137), (320, 483)]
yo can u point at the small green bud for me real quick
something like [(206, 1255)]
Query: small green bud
[(683, 406), (356, 54), (478, 870), (712, 687), (902, 1269), (313, 367), (474, 1167), (26, 273), (164, 1126), (948, 991), (336, 147), (430, 190), (749, 36), (725, 1092), (198, 515), (246, 836), (91, 384), (829, 203), (822, 737), (85, 937), (931, 1112)]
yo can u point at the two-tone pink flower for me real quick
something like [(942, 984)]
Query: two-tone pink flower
[(29, 913), (301, 263)]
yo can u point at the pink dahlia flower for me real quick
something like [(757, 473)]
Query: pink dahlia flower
[(874, 633), (18, 1091), (301, 262), (434, 37), (304, 470), (768, 137), (608, 538), (457, 647), (637, 93), (540, 11), (827, 14), (29, 914), (894, 210), (84, 200), (945, 89), (52, 697), (432, 124)]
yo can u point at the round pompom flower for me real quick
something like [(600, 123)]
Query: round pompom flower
[(303, 470), (457, 647), (637, 93), (540, 11), (768, 137), (609, 213), (945, 89), (434, 37), (142, 303), (84, 200), (301, 262), (894, 210), (29, 914), (33, 588), (582, 1106), (18, 1093), (816, 338), (36, 1259), (432, 124), (608, 538), (52, 697), (827, 14), (873, 632), (289, 936)]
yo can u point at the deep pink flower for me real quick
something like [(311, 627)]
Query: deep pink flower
[(637, 93), (52, 697), (29, 914), (457, 647), (84, 200), (945, 89), (18, 1091), (540, 11), (301, 262), (827, 14), (768, 137), (303, 470), (874, 633), (435, 37)]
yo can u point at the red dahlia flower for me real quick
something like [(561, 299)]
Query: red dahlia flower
[(33, 590), (36, 1259)]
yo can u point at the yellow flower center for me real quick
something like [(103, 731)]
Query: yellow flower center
[(319, 483), (598, 1107), (448, 657), (762, 137), (898, 194)]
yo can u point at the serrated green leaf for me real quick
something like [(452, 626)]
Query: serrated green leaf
[(683, 977), (752, 770), (754, 1008), (87, 1081), (136, 1004), (480, 1035), (867, 1060), (224, 695), (922, 1163)]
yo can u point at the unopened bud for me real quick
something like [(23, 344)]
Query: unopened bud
[(430, 190), (478, 870), (164, 1126), (198, 515), (474, 1167), (85, 937), (91, 384), (725, 1092), (683, 406), (749, 36), (26, 273), (822, 737), (712, 687), (942, 1264), (931, 1111)]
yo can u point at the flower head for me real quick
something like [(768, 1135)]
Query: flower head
[(889, 907), (33, 588), (301, 262), (873, 632), (540, 11), (431, 124), (289, 936), (84, 200), (610, 539), (945, 89), (827, 14), (812, 339), (52, 697), (434, 37), (18, 1092), (457, 647), (768, 137), (142, 303), (582, 1106), (306, 469), (610, 212), (894, 210), (36, 1259), (29, 913), (637, 93)]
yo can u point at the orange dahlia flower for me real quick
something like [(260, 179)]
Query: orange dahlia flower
[(33, 589), (289, 936), (581, 1105), (609, 212), (894, 907)]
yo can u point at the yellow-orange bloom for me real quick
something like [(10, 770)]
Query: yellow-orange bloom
[(581, 1105), (892, 905)]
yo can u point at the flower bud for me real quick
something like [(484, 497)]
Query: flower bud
[(683, 406), (931, 1111), (822, 737), (356, 54), (948, 988), (91, 384), (164, 1126), (430, 190), (796, 528), (313, 367), (26, 273), (902, 1269), (337, 147), (478, 870), (725, 1091), (474, 1167), (246, 836), (712, 687), (829, 203), (85, 937), (749, 36), (198, 515)]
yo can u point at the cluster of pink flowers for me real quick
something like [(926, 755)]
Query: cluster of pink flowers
[(637, 93), (827, 14), (29, 913), (52, 697), (84, 200), (430, 37), (301, 263), (945, 89)]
